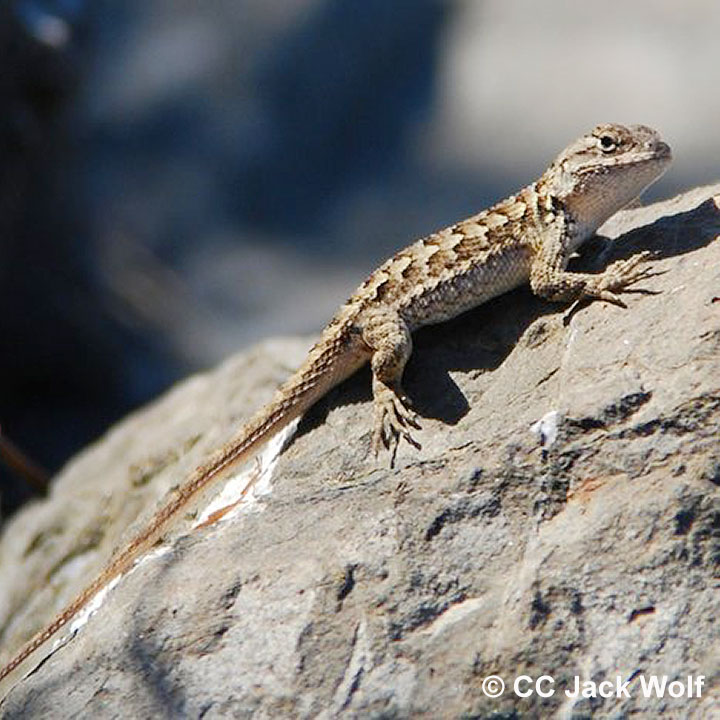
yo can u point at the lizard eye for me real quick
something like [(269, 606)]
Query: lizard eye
[(607, 143)]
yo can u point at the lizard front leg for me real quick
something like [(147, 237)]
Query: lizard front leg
[(550, 279), (388, 337)]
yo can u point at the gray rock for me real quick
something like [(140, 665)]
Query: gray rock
[(590, 550)]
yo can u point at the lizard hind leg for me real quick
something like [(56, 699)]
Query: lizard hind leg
[(388, 337)]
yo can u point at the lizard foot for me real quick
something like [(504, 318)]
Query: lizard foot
[(619, 276), (393, 420)]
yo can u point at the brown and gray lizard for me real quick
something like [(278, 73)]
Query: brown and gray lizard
[(529, 237)]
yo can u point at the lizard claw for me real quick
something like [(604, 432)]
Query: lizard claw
[(617, 278), (393, 418), (620, 275)]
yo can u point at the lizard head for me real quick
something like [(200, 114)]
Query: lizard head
[(605, 170)]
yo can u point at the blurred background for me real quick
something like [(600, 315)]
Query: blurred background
[(180, 179)]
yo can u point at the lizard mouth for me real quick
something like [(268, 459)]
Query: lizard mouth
[(661, 150), (655, 151)]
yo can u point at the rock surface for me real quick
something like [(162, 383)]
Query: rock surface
[(355, 591)]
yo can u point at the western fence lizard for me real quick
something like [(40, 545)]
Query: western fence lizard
[(529, 237)]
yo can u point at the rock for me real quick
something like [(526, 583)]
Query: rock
[(589, 547)]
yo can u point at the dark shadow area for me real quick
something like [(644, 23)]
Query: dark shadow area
[(678, 234), (478, 340), (667, 237)]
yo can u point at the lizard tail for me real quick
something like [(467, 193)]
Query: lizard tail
[(327, 365)]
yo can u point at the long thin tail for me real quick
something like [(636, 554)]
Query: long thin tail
[(322, 370)]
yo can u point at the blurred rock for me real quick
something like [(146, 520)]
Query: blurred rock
[(513, 84), (356, 591), (60, 374)]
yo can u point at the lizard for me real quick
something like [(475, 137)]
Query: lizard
[(527, 238)]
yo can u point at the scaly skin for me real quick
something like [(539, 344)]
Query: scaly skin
[(529, 237)]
